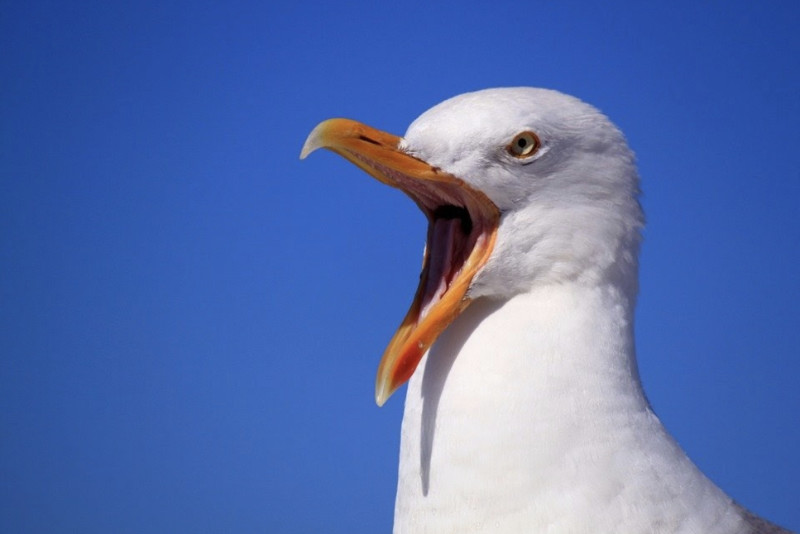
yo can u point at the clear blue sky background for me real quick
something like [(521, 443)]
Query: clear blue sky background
[(191, 319)]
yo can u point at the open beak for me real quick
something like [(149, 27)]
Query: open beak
[(462, 228)]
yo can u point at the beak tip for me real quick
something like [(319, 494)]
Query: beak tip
[(320, 136), (382, 393), (309, 146), (315, 140)]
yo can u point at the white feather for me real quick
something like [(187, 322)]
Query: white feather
[(527, 415)]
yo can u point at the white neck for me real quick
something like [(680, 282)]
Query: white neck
[(529, 416)]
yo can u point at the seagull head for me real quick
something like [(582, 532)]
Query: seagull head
[(522, 187)]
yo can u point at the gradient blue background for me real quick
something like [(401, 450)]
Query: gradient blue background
[(191, 318)]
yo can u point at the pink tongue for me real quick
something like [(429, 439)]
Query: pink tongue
[(440, 261)]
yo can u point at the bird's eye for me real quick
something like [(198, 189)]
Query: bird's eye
[(524, 145)]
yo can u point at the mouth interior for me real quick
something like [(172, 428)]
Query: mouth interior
[(450, 242), (458, 224)]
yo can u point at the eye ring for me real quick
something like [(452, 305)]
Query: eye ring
[(524, 145)]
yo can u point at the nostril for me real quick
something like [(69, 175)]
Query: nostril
[(368, 140)]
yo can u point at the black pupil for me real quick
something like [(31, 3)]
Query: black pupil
[(521, 142)]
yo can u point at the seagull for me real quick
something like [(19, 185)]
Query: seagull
[(524, 410)]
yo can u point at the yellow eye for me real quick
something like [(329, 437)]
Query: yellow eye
[(524, 145)]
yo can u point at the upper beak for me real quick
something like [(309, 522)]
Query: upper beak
[(461, 234)]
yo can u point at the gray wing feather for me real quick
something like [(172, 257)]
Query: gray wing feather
[(759, 525)]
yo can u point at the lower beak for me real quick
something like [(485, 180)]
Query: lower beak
[(462, 228)]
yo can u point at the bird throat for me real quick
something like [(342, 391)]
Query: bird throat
[(450, 242)]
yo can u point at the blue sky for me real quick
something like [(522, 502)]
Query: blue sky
[(191, 319)]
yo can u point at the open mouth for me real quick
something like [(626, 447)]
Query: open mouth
[(462, 227), (450, 240)]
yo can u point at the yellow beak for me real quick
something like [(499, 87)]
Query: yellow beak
[(462, 228)]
